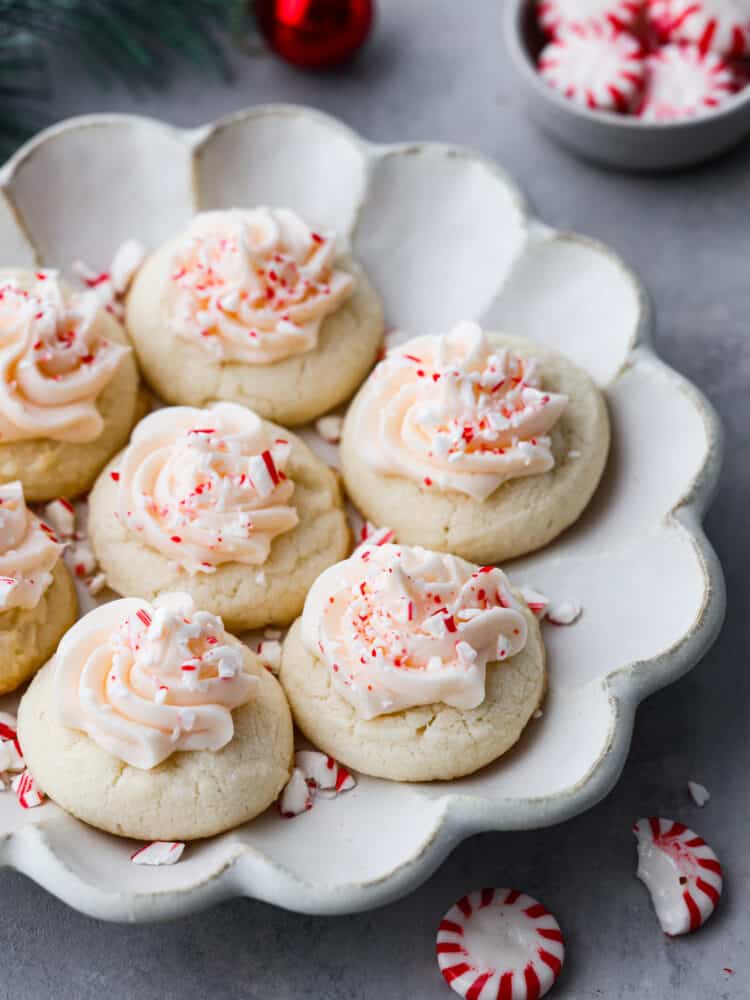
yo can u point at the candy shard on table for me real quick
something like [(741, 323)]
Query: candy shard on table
[(680, 871), (698, 793)]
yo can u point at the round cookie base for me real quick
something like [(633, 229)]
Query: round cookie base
[(427, 743), (245, 597), (192, 794), (291, 391), (50, 469), (522, 514), (29, 636)]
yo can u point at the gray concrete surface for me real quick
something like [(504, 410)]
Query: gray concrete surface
[(437, 71)]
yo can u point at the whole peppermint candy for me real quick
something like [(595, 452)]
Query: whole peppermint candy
[(684, 82), (721, 26), (499, 944), (595, 67), (557, 15)]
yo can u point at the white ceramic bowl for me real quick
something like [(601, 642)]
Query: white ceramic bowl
[(444, 235), (613, 139)]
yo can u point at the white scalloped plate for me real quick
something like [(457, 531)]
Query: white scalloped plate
[(444, 235)]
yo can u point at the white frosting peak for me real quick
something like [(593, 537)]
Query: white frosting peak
[(204, 487), (458, 413), (254, 286), (28, 552), (144, 681), (53, 362), (400, 627)]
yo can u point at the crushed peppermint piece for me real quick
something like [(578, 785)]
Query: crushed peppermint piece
[(159, 852), (82, 560), (698, 793), (563, 612), (537, 602), (29, 795), (323, 773), (269, 651), (61, 516), (96, 584), (128, 258), (272, 633), (296, 797), (329, 428)]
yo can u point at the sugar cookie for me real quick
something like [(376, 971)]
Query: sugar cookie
[(37, 597), (152, 722), (220, 504), (480, 445), (260, 310), (68, 385), (413, 665)]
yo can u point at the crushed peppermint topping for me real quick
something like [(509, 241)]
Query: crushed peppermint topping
[(254, 286), (205, 487), (459, 413), (400, 626), (175, 662)]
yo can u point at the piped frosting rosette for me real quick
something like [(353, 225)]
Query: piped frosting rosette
[(401, 626), (254, 286), (28, 552), (206, 486), (53, 360), (144, 681), (459, 413)]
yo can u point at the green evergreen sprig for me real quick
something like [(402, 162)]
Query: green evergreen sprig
[(134, 41)]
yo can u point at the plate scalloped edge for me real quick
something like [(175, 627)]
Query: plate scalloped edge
[(245, 870)]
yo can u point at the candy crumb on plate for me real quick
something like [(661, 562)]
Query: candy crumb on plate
[(159, 852), (269, 651), (499, 944), (698, 793), (296, 797), (329, 428), (27, 793), (680, 871)]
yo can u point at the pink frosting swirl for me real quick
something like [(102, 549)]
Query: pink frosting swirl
[(254, 286), (28, 552), (53, 360), (400, 627), (144, 681), (205, 487), (458, 413)]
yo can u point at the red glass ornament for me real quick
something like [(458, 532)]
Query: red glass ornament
[(315, 34)]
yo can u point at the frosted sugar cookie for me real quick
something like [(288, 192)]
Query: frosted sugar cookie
[(413, 665), (220, 504), (152, 722), (260, 309), (483, 445), (37, 597), (68, 385)]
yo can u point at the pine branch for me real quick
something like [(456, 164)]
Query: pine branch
[(128, 41)]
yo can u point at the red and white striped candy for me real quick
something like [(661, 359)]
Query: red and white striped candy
[(499, 944), (681, 872), (536, 601), (719, 25), (323, 772), (595, 67), (159, 852), (683, 82), (28, 794), (296, 797), (61, 517), (556, 15)]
